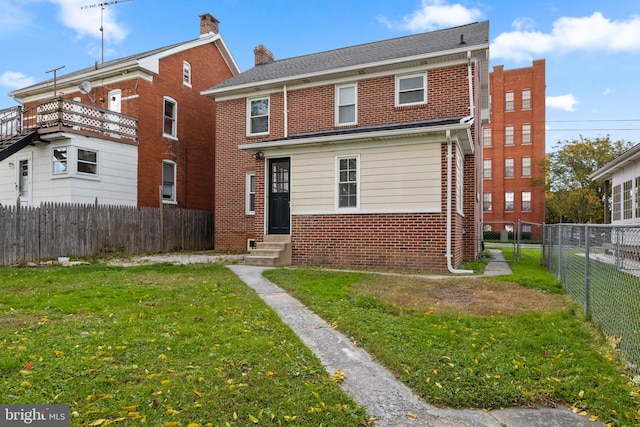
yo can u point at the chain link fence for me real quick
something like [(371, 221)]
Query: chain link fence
[(600, 268)]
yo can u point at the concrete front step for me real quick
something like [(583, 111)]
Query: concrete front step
[(274, 252)]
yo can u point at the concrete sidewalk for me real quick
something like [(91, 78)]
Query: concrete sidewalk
[(374, 387)]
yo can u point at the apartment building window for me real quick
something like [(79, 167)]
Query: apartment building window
[(486, 202), (617, 205), (186, 73), (508, 135), (526, 201), (508, 168), (87, 161), (526, 99), (250, 193), (411, 90), (258, 116), (486, 137), (348, 178), (60, 160), (168, 181), (526, 166), (486, 168), (509, 201), (508, 101), (170, 117), (346, 105), (526, 134), (627, 199)]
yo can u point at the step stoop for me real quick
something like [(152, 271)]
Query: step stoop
[(273, 251)]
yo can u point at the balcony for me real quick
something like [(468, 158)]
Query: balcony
[(20, 127)]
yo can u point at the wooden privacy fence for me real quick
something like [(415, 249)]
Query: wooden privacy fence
[(31, 234)]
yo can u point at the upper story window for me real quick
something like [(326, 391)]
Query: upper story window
[(526, 99), (486, 168), (486, 203), (346, 104), (508, 168), (411, 90), (508, 135), (258, 116), (87, 161), (486, 137), (526, 134), (526, 201), (250, 193), (60, 160), (168, 181), (348, 178), (170, 116), (526, 166), (508, 101), (509, 202), (186, 73)]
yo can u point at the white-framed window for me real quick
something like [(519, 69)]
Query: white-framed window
[(508, 101), (526, 134), (486, 202), (459, 180), (637, 196), (526, 166), (60, 160), (186, 73), (486, 168), (347, 104), (250, 193), (486, 137), (347, 182), (509, 202), (508, 168), (168, 181), (508, 135), (616, 209), (258, 116), (411, 89), (170, 117), (526, 201), (526, 228), (627, 199), (526, 99), (87, 161)]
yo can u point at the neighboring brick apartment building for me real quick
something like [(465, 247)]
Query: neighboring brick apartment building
[(361, 156), (514, 149), (171, 157)]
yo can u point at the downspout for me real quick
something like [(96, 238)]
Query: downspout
[(286, 115), (472, 112), (449, 213)]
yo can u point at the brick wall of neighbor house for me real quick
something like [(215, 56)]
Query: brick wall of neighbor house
[(502, 81)]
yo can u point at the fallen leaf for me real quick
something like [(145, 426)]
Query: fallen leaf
[(410, 415), (98, 422), (28, 366), (130, 408), (197, 393)]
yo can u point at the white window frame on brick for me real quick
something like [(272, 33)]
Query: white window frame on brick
[(250, 193), (508, 135), (346, 104), (509, 168), (169, 118), (526, 99), (509, 201), (253, 116), (186, 73), (487, 205), (509, 104), (404, 87), (526, 133), (345, 182), (526, 201), (526, 166), (169, 182), (487, 137), (486, 168)]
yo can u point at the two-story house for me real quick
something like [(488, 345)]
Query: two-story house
[(131, 131), (364, 156)]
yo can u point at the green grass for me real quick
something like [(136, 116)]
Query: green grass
[(460, 360), (158, 345)]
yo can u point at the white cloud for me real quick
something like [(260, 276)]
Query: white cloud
[(566, 102), (14, 17), (434, 14), (593, 33), (608, 91), (16, 80), (85, 20)]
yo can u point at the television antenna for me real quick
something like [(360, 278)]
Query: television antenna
[(101, 6)]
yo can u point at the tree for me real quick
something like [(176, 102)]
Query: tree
[(571, 195)]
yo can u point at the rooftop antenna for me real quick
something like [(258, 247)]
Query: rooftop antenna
[(101, 6)]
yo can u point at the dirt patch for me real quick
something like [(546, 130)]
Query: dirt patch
[(474, 296)]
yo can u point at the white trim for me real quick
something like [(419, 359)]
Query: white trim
[(28, 157), (186, 70), (355, 208), (174, 134), (248, 115), (399, 77), (247, 193), (174, 196), (338, 104)]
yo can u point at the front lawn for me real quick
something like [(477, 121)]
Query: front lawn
[(159, 346)]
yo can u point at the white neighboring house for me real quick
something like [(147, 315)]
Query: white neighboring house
[(621, 177)]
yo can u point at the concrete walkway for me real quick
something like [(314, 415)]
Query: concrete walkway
[(374, 387)]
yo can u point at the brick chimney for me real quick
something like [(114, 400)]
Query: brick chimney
[(262, 55), (208, 24)]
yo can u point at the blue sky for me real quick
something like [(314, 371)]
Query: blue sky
[(592, 48)]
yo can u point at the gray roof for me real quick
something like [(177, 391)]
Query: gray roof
[(472, 36)]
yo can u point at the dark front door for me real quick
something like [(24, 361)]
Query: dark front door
[(279, 196)]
